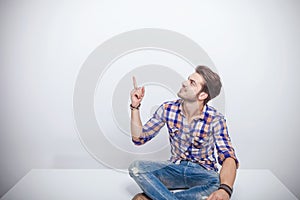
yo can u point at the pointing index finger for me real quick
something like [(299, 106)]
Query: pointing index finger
[(134, 82)]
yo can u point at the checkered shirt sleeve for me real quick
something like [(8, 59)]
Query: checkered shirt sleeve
[(152, 127), (223, 141)]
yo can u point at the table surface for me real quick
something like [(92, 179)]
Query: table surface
[(106, 184)]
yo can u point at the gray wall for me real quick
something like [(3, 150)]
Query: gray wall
[(253, 44)]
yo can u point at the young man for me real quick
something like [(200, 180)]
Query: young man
[(195, 130)]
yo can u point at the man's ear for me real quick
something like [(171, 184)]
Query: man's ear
[(202, 96)]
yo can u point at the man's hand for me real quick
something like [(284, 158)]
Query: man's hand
[(136, 94), (219, 195)]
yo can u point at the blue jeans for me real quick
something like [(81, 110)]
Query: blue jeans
[(158, 179)]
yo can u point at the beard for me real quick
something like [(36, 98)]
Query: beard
[(185, 95), (188, 95)]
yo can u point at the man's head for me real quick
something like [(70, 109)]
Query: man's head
[(203, 85)]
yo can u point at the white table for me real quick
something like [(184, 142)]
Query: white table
[(106, 184)]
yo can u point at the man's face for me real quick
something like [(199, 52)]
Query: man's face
[(190, 88)]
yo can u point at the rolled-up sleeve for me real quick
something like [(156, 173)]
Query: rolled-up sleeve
[(223, 142), (152, 127)]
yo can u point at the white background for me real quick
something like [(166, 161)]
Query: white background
[(253, 44)]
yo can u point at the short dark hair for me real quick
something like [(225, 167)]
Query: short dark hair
[(212, 85)]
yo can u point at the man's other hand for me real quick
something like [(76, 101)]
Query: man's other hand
[(219, 195)]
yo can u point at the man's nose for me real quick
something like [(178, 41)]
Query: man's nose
[(184, 83)]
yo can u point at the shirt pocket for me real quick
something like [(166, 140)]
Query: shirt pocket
[(201, 139)]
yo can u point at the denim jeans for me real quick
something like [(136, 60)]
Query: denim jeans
[(158, 179)]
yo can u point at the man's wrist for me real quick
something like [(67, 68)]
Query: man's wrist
[(135, 107), (226, 188)]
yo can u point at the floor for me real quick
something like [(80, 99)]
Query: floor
[(106, 184)]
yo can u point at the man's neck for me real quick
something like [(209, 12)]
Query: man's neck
[(192, 109)]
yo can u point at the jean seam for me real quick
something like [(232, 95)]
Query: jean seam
[(184, 175)]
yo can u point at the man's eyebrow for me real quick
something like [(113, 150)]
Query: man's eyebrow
[(189, 78)]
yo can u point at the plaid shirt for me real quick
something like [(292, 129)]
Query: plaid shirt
[(195, 141)]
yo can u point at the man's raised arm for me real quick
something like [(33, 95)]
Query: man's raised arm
[(136, 95)]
